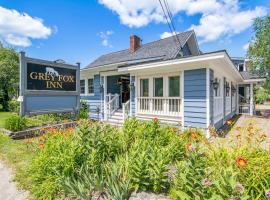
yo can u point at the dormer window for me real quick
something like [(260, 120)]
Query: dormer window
[(241, 67)]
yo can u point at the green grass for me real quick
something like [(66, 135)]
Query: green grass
[(18, 156), (3, 117)]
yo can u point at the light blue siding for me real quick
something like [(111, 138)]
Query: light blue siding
[(95, 102), (195, 98), (211, 96), (132, 97), (50, 103)]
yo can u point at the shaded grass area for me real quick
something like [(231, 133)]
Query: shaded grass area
[(3, 117), (18, 156)]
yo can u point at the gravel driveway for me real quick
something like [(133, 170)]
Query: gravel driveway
[(8, 189)]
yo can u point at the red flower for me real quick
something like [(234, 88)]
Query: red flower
[(155, 120), (241, 162)]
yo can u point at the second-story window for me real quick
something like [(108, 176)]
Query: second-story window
[(241, 67)]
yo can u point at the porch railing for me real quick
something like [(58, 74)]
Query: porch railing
[(169, 106), (112, 105), (126, 109)]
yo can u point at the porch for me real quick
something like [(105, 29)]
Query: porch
[(147, 98)]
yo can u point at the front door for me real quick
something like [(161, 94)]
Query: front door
[(125, 90)]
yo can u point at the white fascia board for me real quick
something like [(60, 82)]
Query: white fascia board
[(254, 80), (174, 62)]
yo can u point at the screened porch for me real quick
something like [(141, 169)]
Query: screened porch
[(159, 96)]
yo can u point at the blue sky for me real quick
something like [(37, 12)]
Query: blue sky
[(82, 30)]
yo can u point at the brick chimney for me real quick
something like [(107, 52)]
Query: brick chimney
[(135, 43)]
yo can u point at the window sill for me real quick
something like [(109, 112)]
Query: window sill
[(92, 94)]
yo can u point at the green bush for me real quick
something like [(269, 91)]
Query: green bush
[(97, 160), (14, 106), (83, 110), (261, 95), (15, 123)]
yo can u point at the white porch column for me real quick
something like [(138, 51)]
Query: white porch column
[(104, 97), (251, 99), (237, 99)]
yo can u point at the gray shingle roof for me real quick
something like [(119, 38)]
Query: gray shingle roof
[(249, 75), (163, 49)]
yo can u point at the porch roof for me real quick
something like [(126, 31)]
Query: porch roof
[(218, 60)]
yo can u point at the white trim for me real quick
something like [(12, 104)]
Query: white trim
[(187, 60), (251, 99), (253, 80), (182, 96), (172, 62), (104, 96), (207, 97)]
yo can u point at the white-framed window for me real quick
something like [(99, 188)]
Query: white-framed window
[(174, 86), (144, 87), (82, 85), (158, 87), (90, 86)]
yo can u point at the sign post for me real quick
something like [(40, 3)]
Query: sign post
[(48, 87)]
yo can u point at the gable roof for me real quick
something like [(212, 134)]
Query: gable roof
[(163, 49)]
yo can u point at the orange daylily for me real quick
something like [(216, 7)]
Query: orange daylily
[(241, 162)]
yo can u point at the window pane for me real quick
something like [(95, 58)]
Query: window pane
[(174, 86), (82, 84), (158, 87), (144, 87), (90, 86)]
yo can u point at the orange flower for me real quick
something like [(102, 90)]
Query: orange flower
[(181, 136), (189, 147), (194, 135), (229, 122), (241, 162), (155, 120)]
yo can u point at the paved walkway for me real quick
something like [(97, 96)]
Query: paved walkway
[(8, 189)]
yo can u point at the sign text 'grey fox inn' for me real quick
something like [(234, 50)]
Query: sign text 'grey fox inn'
[(48, 87)]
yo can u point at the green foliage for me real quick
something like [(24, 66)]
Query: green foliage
[(14, 106), (15, 123), (97, 160), (261, 95), (259, 51), (83, 110), (9, 75)]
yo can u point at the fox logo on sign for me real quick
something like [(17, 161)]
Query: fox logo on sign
[(51, 71)]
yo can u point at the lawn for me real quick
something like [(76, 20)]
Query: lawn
[(18, 156), (3, 117)]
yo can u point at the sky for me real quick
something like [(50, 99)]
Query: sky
[(83, 30)]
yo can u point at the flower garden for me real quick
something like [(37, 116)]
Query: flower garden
[(96, 160)]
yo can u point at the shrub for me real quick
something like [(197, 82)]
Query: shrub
[(15, 123), (14, 106), (83, 110), (261, 95), (97, 160)]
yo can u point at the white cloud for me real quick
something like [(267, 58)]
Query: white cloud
[(246, 46), (19, 28), (105, 37), (219, 18), (166, 34)]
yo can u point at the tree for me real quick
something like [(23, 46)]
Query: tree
[(259, 48), (9, 75)]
